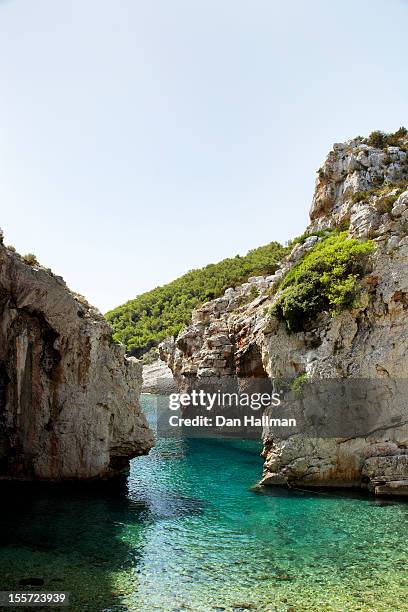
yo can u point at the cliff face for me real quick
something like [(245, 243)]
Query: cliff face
[(158, 379), (364, 189), (68, 397)]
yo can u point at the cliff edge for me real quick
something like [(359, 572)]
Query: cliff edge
[(68, 396), (336, 309)]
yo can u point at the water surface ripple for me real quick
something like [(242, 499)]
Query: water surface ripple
[(185, 532)]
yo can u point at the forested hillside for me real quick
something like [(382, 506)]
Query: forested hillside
[(142, 323)]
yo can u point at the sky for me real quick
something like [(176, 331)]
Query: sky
[(139, 140)]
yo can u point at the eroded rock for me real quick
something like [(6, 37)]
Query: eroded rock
[(364, 189), (158, 379), (69, 406)]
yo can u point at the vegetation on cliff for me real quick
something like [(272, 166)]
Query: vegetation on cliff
[(142, 323), (387, 194), (326, 278), (381, 140)]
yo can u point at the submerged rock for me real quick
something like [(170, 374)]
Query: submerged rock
[(69, 399)]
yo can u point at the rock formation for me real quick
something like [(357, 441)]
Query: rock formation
[(158, 379), (68, 397), (362, 188)]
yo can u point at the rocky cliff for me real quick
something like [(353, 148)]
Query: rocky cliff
[(158, 379), (339, 318), (68, 397)]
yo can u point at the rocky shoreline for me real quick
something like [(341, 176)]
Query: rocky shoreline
[(361, 190)]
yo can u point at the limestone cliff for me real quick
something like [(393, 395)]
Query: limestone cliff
[(68, 397), (362, 189), (158, 379)]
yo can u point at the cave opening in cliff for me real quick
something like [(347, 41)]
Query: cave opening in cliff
[(249, 363), (251, 372)]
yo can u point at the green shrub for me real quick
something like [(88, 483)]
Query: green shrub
[(377, 139), (325, 279), (380, 140), (142, 323), (297, 385), (301, 239), (30, 259), (359, 196), (395, 139), (253, 292), (386, 203), (382, 191)]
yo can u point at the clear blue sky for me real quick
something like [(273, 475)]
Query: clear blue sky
[(142, 139)]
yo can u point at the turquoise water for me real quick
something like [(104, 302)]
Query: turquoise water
[(185, 532)]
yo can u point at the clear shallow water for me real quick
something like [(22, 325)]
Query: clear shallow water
[(185, 532)]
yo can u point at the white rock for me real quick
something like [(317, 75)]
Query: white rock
[(401, 204)]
